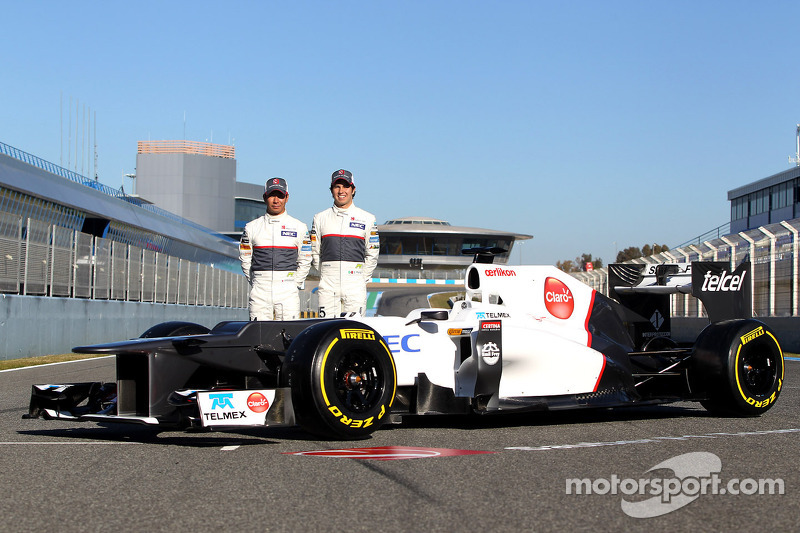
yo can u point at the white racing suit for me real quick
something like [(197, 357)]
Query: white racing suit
[(345, 246), (275, 252)]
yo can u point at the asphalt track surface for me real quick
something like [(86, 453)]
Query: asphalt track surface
[(67, 476)]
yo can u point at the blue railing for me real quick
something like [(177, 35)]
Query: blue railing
[(38, 162), (47, 166)]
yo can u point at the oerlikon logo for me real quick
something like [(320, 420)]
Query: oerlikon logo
[(500, 272), (558, 298)]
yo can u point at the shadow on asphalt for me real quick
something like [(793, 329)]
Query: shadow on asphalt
[(552, 418), (264, 436), (190, 438)]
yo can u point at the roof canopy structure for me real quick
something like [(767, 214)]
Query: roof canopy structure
[(431, 243)]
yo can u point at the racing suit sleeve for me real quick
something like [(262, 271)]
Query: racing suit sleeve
[(372, 242), (315, 242), (303, 255), (245, 253)]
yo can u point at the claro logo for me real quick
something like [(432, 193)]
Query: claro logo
[(500, 272), (558, 298), (257, 402)]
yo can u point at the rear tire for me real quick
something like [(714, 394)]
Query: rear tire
[(343, 379), (738, 365), (174, 329)]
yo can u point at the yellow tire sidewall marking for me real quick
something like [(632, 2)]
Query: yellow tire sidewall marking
[(736, 363), (322, 373)]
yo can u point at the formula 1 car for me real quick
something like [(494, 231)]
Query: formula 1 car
[(523, 338)]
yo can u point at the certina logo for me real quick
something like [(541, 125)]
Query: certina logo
[(500, 272), (490, 353), (359, 334), (724, 282), (257, 402), (558, 298), (747, 337), (491, 326)]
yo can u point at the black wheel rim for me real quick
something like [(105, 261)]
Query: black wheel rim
[(758, 370), (358, 381)]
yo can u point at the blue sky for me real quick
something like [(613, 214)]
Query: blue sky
[(593, 126)]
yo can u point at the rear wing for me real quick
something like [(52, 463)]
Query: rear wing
[(644, 292)]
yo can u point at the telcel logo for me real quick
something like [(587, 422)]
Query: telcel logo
[(257, 402), (558, 298), (724, 282)]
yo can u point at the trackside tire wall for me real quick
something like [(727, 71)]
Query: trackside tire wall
[(738, 367), (342, 377)]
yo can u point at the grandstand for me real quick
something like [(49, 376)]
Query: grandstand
[(431, 249), (63, 234)]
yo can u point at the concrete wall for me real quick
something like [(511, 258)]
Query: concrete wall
[(31, 326), (787, 330)]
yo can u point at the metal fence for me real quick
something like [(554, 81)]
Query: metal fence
[(773, 250), (398, 273), (42, 259), (47, 166)]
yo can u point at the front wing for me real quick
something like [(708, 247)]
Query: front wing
[(97, 402)]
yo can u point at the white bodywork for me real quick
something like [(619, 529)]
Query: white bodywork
[(545, 343)]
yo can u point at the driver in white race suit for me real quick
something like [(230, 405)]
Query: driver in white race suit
[(345, 246), (275, 251)]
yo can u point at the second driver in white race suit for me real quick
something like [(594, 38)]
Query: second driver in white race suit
[(275, 251), (345, 246)]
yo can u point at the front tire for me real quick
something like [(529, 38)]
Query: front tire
[(739, 365), (343, 379)]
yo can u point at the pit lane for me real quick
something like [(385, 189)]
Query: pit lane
[(82, 476)]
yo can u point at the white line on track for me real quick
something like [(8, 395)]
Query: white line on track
[(59, 363), (229, 448), (649, 440)]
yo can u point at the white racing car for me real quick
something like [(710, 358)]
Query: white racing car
[(524, 338)]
